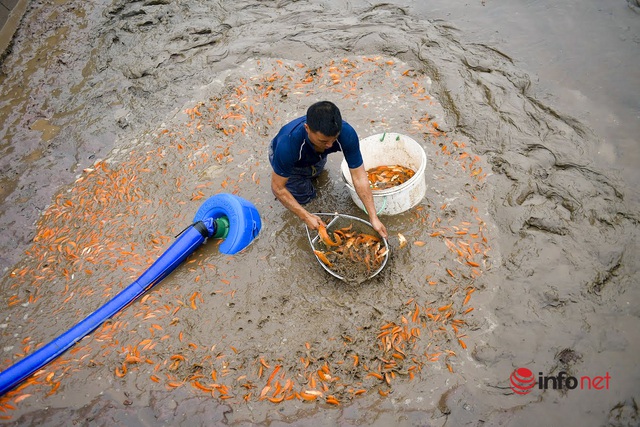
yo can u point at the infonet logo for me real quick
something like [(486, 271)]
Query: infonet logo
[(523, 381)]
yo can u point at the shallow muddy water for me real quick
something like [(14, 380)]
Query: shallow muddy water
[(151, 107)]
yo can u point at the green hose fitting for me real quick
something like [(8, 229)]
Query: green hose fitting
[(222, 228)]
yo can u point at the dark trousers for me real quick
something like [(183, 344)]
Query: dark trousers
[(299, 183)]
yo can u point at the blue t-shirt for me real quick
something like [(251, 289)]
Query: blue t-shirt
[(291, 148)]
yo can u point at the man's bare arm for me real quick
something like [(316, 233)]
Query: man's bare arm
[(361, 184), (288, 201)]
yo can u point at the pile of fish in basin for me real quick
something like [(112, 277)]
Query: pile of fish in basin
[(349, 248)]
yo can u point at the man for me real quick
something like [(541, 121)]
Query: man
[(299, 152)]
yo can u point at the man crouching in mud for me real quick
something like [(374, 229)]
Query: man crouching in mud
[(299, 152)]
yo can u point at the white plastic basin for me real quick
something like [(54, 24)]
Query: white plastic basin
[(391, 149)]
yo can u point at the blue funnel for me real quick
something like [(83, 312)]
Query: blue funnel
[(242, 224)]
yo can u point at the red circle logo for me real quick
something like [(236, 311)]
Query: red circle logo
[(522, 381)]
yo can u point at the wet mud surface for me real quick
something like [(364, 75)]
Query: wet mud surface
[(521, 254)]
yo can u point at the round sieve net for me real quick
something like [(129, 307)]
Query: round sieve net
[(358, 252)]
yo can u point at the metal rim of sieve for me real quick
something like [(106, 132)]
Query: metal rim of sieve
[(336, 217)]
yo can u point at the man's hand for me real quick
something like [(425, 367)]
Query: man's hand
[(379, 227), (314, 221)]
